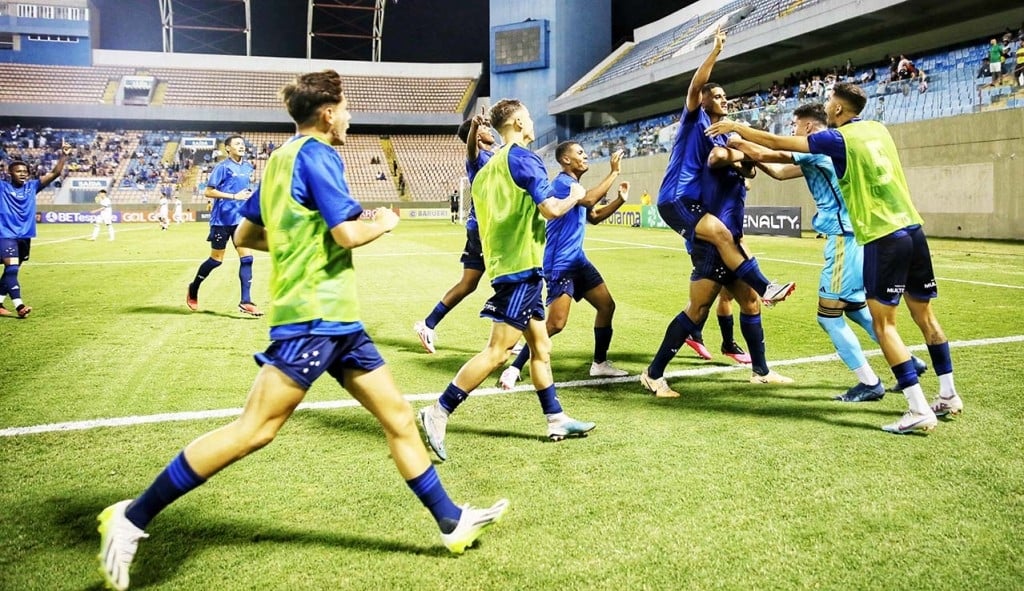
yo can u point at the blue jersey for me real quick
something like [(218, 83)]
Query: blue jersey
[(564, 244), (229, 177), (688, 158), (18, 209), (473, 167), (831, 217), (317, 183)]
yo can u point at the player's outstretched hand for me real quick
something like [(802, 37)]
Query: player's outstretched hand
[(722, 126), (616, 160), (385, 217), (65, 148), (624, 190), (719, 38)]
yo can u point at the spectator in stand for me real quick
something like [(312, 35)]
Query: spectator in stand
[(995, 61)]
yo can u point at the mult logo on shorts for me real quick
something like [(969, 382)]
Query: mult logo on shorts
[(930, 284), (895, 289)]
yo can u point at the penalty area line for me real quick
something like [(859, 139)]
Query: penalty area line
[(348, 403)]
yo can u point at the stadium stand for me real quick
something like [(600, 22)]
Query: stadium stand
[(30, 83), (430, 164)]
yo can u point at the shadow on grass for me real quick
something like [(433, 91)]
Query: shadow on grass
[(182, 310), (174, 540)]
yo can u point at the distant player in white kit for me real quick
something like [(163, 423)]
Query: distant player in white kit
[(161, 213), (104, 215), (178, 216)]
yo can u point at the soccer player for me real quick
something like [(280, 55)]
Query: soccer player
[(179, 217), (512, 197), (680, 202), (104, 215), (229, 187), (476, 133), (841, 286), (161, 212), (18, 225), (897, 261), (453, 203), (304, 215), (568, 272), (723, 183)]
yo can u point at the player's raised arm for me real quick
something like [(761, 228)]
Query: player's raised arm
[(598, 215), (595, 194), (58, 167), (703, 73)]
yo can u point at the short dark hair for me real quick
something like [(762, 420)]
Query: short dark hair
[(563, 148), (304, 95), (852, 95), (707, 88), (230, 138), (13, 163), (813, 111), (463, 131), (503, 110), (101, 191)]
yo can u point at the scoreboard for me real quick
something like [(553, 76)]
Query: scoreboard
[(520, 46)]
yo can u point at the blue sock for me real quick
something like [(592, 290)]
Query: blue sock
[(245, 277), (428, 488), (845, 342), (906, 375), (3, 285), (725, 325), (177, 479), (452, 397), (549, 400), (753, 334), (11, 281), (941, 362), (437, 315), (602, 340), (751, 274), (204, 271), (862, 316), (676, 334), (520, 361)]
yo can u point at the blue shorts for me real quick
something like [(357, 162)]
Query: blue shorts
[(219, 236), (898, 263), (708, 264), (574, 282), (682, 214), (306, 358), (473, 252), (515, 304), (15, 248), (842, 277)]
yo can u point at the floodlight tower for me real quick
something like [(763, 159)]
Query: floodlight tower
[(345, 27), (206, 26)]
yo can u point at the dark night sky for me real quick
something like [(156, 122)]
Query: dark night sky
[(414, 30)]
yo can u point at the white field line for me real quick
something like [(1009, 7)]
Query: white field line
[(430, 396), (969, 281)]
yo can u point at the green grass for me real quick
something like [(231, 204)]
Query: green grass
[(732, 486)]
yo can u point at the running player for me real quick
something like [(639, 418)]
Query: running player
[(229, 186), (304, 216), (512, 196)]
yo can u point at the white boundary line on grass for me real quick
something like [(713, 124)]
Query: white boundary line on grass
[(348, 403)]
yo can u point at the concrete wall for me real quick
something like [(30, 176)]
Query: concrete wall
[(966, 175)]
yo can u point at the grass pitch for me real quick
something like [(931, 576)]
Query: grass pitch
[(732, 486)]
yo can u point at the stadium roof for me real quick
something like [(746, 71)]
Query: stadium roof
[(822, 35)]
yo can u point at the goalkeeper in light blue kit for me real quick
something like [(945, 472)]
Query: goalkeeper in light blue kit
[(897, 260), (304, 216), (841, 286)]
